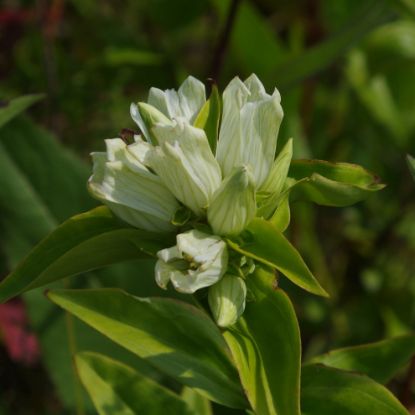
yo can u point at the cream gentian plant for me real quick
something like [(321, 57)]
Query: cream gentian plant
[(171, 166), (203, 190)]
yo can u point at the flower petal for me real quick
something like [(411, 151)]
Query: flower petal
[(260, 123), (192, 96), (229, 148)]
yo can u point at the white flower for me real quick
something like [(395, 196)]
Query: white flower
[(185, 163), (184, 103), (122, 181), (233, 205), (249, 129), (198, 260), (227, 300)]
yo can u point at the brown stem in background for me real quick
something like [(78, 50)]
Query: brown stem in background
[(407, 387), (49, 19), (223, 41)]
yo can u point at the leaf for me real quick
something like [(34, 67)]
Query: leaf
[(266, 346), (269, 246), (282, 215), (332, 184), (411, 164), (327, 391), (380, 360), (117, 389), (209, 117), (87, 241), (196, 402), (16, 106), (173, 336), (311, 61)]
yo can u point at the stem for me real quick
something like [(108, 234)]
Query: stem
[(223, 41)]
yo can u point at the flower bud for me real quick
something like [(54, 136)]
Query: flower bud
[(233, 205), (129, 189), (146, 117), (249, 129), (185, 103), (198, 260), (185, 163), (227, 300)]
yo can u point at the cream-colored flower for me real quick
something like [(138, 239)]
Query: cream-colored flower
[(198, 260), (185, 163), (122, 181), (249, 129)]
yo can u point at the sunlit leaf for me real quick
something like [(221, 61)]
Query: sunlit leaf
[(266, 347), (117, 389), (173, 336), (266, 244)]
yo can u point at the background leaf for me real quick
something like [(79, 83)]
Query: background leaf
[(84, 242), (332, 184), (327, 391), (14, 107), (380, 361)]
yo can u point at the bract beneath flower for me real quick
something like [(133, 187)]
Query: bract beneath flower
[(198, 260)]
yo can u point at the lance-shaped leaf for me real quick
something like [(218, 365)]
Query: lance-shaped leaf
[(88, 241), (16, 106), (380, 360), (266, 244), (266, 347), (332, 184), (175, 337), (411, 164), (117, 389), (328, 391)]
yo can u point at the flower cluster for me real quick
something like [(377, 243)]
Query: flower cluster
[(171, 167)]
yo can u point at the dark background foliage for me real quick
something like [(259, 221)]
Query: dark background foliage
[(346, 71)]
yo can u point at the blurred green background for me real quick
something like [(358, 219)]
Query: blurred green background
[(346, 72)]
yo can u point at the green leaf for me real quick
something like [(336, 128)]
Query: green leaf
[(311, 61), (198, 404), (380, 360), (266, 244), (117, 389), (87, 241), (16, 106), (282, 215), (411, 164), (173, 336), (266, 347), (209, 117), (327, 391), (332, 184)]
